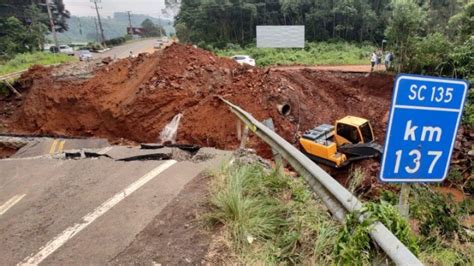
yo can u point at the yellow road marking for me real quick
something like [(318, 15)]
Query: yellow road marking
[(53, 146), (5, 207), (61, 146)]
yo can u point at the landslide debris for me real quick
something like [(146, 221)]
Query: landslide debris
[(134, 98), (131, 100)]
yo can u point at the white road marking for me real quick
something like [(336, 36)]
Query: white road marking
[(70, 232), (105, 150), (10, 203), (28, 158)]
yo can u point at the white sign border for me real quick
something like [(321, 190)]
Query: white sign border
[(389, 126)]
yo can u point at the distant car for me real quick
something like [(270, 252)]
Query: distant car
[(63, 49), (165, 39), (244, 59), (158, 44), (85, 55)]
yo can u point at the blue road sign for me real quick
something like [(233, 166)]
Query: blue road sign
[(424, 119)]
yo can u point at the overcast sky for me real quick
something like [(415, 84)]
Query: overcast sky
[(147, 7)]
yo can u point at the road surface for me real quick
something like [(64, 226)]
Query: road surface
[(86, 211), (145, 46)]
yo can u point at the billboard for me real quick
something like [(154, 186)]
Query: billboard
[(135, 31), (280, 36)]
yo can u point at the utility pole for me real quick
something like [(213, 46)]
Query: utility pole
[(130, 31), (80, 26), (51, 22), (96, 7), (97, 38)]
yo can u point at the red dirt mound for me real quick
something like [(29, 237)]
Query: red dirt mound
[(133, 99)]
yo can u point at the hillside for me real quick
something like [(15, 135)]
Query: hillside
[(82, 29)]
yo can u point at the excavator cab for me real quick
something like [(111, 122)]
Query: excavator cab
[(353, 130), (350, 139)]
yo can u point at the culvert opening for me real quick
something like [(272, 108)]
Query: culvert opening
[(284, 109)]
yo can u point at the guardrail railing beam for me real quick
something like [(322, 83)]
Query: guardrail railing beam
[(337, 198)]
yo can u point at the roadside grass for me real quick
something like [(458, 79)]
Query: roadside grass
[(271, 218), (320, 53), (24, 61), (441, 238), (356, 179)]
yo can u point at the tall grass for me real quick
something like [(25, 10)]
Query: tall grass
[(24, 61), (321, 53), (271, 218)]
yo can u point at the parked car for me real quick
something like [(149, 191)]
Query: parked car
[(85, 55), (63, 49), (158, 44), (244, 59)]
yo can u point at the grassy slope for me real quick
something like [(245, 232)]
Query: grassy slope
[(24, 61), (321, 53), (270, 218)]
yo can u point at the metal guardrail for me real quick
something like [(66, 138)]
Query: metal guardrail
[(336, 197), (12, 75)]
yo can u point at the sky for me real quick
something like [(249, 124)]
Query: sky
[(84, 7)]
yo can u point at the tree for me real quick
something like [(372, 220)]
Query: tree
[(405, 23), (152, 30), (218, 22), (16, 37), (12, 37), (19, 9), (461, 26)]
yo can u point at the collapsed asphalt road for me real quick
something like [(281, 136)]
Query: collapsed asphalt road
[(55, 210)]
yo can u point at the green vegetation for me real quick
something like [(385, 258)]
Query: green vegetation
[(24, 61), (469, 110), (83, 29), (354, 245), (427, 37), (150, 29), (314, 54), (441, 238), (270, 218), (24, 25)]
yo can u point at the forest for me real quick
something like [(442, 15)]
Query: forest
[(426, 36)]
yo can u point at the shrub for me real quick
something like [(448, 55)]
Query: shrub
[(313, 53)]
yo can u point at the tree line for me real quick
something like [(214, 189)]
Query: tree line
[(234, 21), (402, 23), (25, 23)]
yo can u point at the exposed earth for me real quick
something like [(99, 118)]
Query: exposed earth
[(132, 99)]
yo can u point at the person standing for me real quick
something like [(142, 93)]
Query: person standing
[(373, 60), (388, 60)]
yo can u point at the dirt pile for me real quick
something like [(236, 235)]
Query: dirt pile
[(133, 99)]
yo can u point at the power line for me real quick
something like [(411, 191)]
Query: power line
[(96, 6)]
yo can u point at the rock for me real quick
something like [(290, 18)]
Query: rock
[(385, 117), (107, 60)]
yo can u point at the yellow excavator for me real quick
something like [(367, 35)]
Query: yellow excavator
[(350, 139)]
